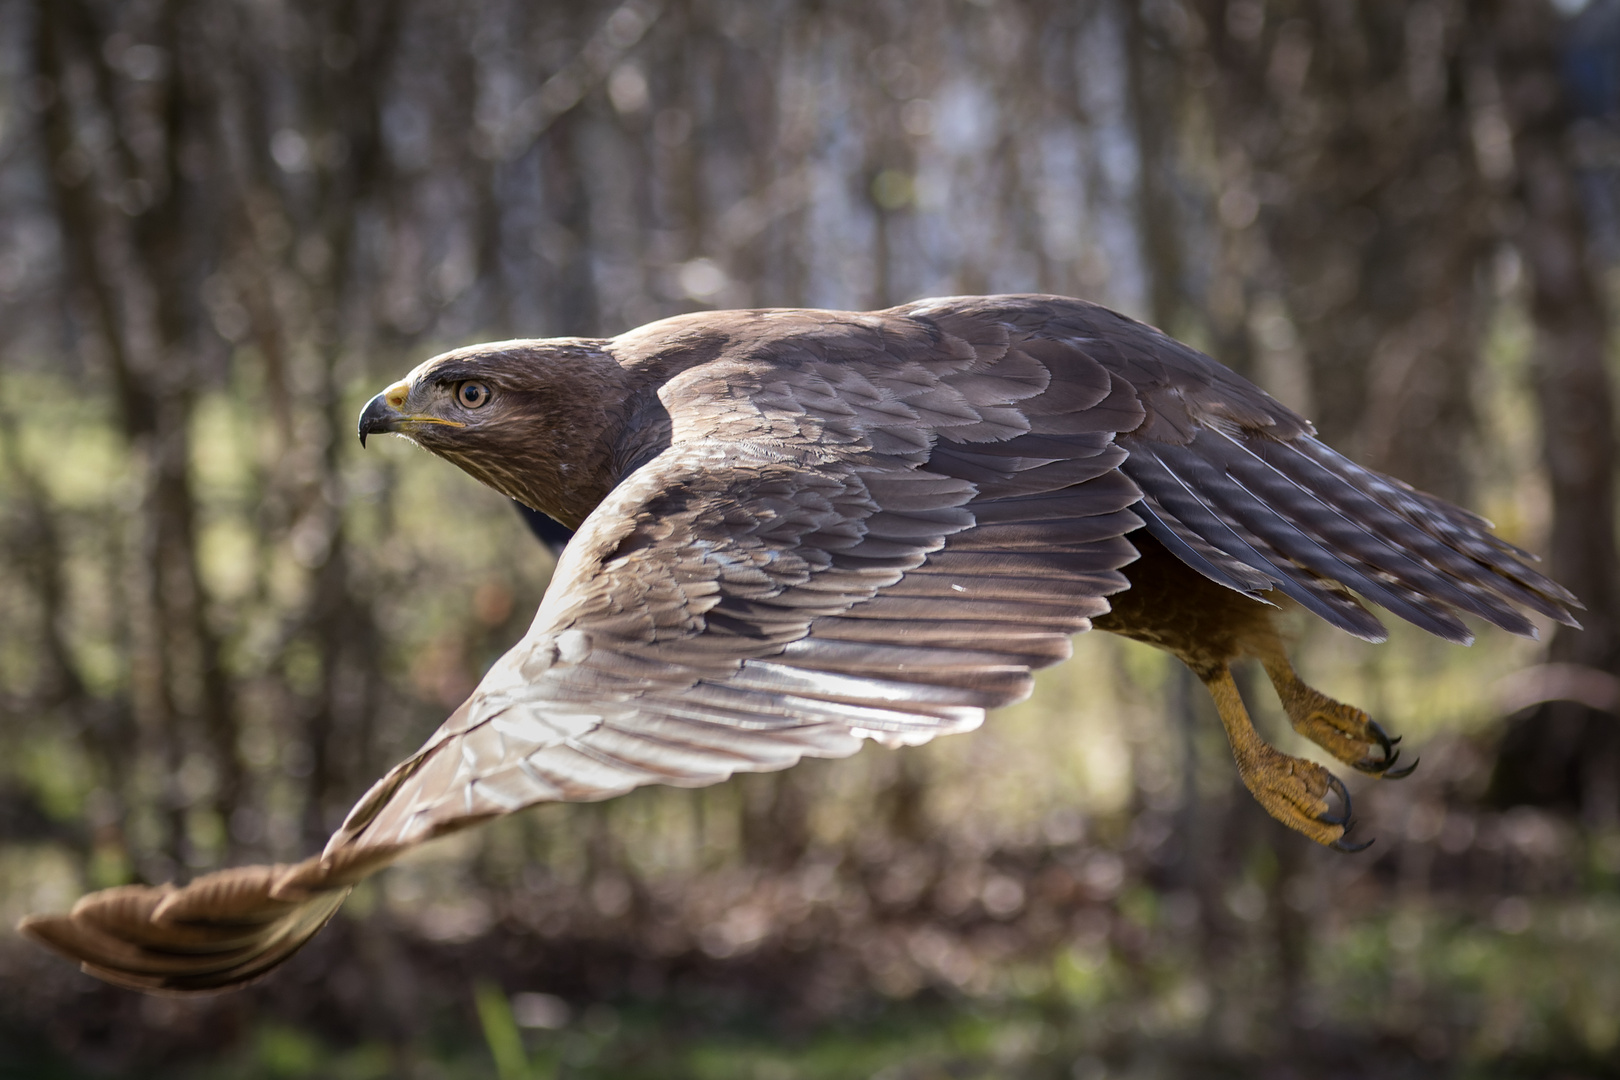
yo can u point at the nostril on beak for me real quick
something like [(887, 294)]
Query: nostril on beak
[(395, 395)]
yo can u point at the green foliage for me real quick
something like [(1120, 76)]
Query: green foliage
[(502, 1036)]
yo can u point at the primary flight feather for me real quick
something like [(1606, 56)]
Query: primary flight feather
[(800, 529)]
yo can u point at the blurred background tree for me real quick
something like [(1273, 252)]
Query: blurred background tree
[(223, 226)]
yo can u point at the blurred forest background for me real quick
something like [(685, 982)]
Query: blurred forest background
[(224, 225)]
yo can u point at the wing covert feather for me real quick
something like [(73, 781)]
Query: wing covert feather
[(788, 561)]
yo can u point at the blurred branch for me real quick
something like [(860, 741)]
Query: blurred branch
[(1589, 686), (617, 35)]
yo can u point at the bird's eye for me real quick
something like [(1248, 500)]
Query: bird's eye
[(472, 394)]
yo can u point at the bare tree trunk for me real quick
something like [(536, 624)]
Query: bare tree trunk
[(1563, 752), (129, 220), (1343, 145)]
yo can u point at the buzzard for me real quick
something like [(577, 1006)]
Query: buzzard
[(800, 529)]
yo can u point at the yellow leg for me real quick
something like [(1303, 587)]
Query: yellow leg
[(1342, 730), (1293, 790)]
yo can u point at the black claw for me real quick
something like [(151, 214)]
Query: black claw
[(1382, 737), (1337, 786), (1401, 774), (1351, 849), (1372, 767), (1377, 767)]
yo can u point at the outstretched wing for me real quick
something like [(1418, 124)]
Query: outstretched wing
[(827, 551), (1239, 488)]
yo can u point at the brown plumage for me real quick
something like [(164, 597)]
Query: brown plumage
[(802, 529)]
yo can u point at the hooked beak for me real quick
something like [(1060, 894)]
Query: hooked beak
[(381, 415), (378, 417)]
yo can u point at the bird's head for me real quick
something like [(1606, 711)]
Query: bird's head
[(532, 419)]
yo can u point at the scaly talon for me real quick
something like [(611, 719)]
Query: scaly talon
[(1342, 730), (1293, 790)]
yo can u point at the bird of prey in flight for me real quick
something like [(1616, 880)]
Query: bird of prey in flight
[(796, 530)]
